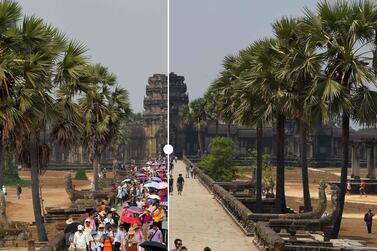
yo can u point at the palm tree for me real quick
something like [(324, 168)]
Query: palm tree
[(103, 112), (300, 66), (261, 78), (10, 14), (199, 118), (344, 31), (39, 46)]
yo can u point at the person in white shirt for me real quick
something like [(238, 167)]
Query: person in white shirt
[(139, 203), (5, 192), (109, 219), (80, 239)]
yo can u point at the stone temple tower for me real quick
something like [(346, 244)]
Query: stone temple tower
[(177, 98), (155, 115)]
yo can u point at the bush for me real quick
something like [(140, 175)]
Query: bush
[(81, 174), (11, 177), (218, 164)]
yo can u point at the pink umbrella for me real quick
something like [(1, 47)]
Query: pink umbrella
[(135, 210), (156, 179), (162, 185)]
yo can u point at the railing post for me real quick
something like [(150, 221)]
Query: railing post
[(31, 245)]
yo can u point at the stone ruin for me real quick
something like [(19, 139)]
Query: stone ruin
[(85, 197), (12, 233)]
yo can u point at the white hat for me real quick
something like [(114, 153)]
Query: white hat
[(80, 227)]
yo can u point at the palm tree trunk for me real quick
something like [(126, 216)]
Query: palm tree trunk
[(259, 167), (95, 171), (200, 141), (217, 127), (228, 129), (35, 186), (1, 163), (280, 193), (343, 175), (304, 166)]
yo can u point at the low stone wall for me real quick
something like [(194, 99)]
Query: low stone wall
[(266, 238), (56, 244), (241, 214)]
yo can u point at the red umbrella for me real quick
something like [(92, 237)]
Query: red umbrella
[(128, 217), (131, 220)]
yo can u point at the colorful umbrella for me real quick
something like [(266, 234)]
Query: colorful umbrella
[(151, 184), (143, 178), (162, 185), (135, 210), (156, 179), (131, 220), (155, 197)]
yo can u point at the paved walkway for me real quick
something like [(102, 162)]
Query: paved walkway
[(200, 221)]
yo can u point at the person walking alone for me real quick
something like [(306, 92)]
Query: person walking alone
[(362, 188), (187, 171), (368, 218), (192, 171), (5, 192), (180, 183), (18, 191)]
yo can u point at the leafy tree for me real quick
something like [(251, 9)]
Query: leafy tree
[(218, 164)]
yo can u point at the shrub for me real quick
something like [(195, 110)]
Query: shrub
[(81, 174), (219, 164)]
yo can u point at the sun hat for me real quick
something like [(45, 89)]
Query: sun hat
[(112, 209), (80, 227), (69, 221), (87, 220)]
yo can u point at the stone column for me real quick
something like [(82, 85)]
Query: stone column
[(371, 161), (355, 162)]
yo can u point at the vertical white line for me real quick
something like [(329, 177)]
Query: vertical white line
[(168, 83), (168, 117)]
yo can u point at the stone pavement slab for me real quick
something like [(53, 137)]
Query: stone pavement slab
[(200, 221)]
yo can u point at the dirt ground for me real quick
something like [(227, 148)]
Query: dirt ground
[(353, 226), (53, 194)]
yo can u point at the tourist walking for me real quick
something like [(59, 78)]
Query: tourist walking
[(171, 184), (362, 188), (80, 239), (4, 192), (155, 233), (180, 183), (368, 218), (187, 171), (18, 191), (349, 187), (192, 171), (177, 244)]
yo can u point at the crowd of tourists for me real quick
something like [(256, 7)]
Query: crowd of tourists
[(135, 220)]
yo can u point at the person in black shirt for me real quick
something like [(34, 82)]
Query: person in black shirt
[(180, 183), (368, 218), (171, 183)]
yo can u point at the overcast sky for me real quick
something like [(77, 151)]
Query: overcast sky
[(202, 32), (127, 36)]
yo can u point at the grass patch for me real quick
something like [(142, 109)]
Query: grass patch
[(13, 181)]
